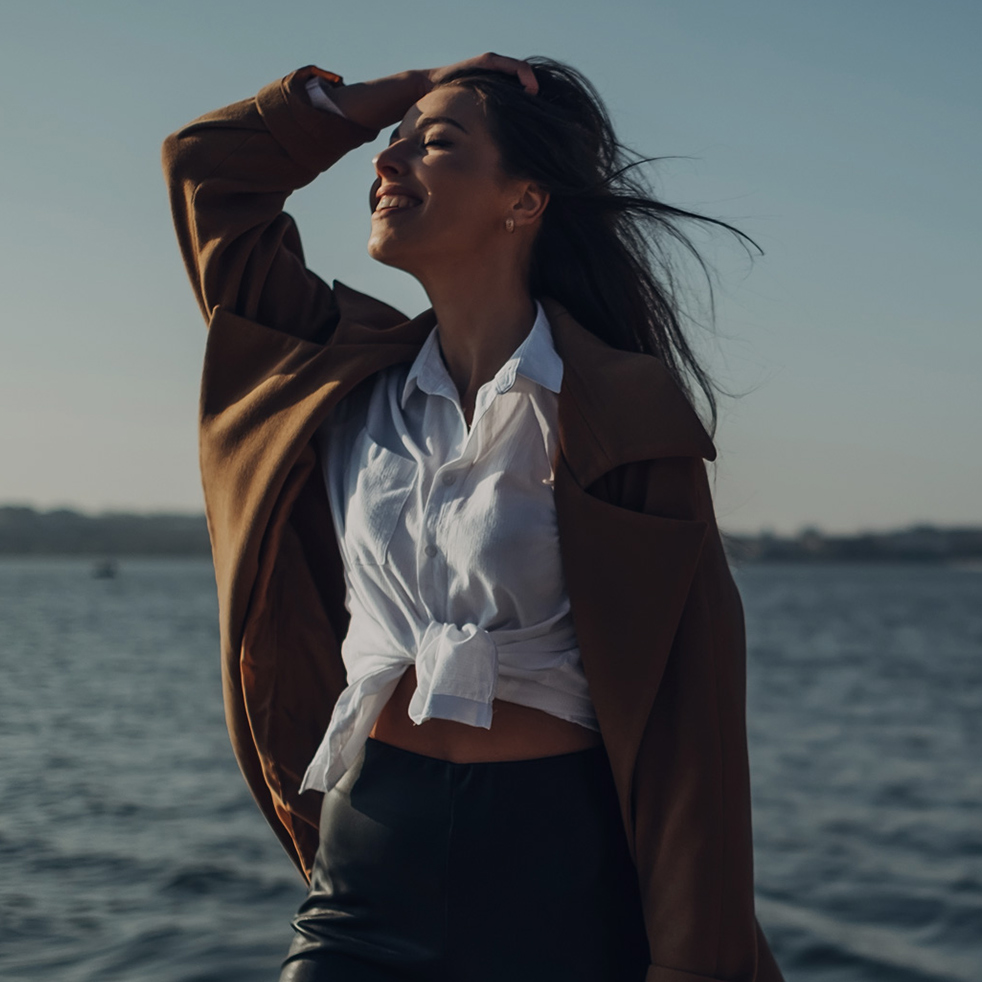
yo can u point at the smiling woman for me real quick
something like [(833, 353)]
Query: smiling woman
[(444, 202), (483, 659)]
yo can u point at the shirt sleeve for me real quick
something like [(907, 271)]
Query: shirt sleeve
[(319, 99)]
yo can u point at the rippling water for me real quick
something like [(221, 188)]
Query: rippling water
[(130, 849)]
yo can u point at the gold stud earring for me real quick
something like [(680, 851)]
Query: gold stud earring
[(510, 224)]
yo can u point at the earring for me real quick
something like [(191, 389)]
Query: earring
[(510, 224)]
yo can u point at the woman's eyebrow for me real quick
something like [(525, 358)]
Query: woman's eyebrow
[(430, 121)]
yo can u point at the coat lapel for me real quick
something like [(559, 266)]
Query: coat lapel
[(628, 576), (627, 573), (617, 406)]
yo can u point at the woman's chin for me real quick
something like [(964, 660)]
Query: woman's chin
[(383, 249)]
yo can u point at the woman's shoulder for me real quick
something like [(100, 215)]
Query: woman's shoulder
[(364, 309)]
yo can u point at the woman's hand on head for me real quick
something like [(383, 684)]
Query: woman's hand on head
[(492, 62), (384, 101)]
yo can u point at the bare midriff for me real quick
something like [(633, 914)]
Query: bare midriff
[(516, 733)]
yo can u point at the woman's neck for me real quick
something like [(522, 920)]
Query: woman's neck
[(482, 317)]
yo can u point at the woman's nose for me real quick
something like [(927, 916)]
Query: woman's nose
[(389, 161)]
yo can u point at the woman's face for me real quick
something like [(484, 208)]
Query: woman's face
[(441, 198)]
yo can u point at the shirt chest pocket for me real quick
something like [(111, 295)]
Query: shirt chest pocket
[(380, 490)]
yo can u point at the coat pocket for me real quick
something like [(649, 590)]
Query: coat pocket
[(381, 490)]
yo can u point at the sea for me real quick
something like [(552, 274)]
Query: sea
[(131, 850)]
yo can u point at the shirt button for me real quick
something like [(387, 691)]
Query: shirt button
[(430, 550), (448, 479)]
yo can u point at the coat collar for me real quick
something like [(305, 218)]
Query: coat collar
[(614, 406), (620, 406)]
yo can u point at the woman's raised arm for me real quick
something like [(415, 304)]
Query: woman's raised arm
[(229, 174)]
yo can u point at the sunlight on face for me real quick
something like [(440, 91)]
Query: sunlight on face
[(440, 195)]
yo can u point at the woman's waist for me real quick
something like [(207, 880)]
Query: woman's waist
[(517, 732), (380, 627)]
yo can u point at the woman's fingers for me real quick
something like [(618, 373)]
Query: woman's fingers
[(496, 63), (515, 66), (527, 77)]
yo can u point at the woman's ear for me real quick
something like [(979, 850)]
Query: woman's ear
[(529, 204)]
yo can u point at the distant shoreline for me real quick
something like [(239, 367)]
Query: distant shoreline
[(63, 532), (24, 531), (924, 544)]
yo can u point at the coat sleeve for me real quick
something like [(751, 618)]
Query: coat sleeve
[(229, 174), (693, 840)]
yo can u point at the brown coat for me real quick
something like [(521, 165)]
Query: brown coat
[(657, 615)]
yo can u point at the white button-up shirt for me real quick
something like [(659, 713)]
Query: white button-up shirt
[(450, 548)]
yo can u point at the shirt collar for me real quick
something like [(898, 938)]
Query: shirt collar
[(535, 358)]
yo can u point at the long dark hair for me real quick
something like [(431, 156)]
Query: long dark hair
[(605, 246)]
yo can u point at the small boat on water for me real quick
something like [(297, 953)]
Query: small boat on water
[(105, 570)]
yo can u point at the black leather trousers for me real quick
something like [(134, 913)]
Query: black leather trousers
[(503, 871)]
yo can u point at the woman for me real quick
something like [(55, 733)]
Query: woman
[(471, 586)]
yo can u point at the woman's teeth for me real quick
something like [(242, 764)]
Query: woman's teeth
[(396, 201)]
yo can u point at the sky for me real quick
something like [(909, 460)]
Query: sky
[(844, 137)]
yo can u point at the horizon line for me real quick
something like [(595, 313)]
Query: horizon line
[(804, 529)]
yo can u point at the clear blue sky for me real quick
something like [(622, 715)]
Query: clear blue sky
[(845, 137)]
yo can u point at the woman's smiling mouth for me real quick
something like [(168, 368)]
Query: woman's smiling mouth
[(393, 201), (392, 197)]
